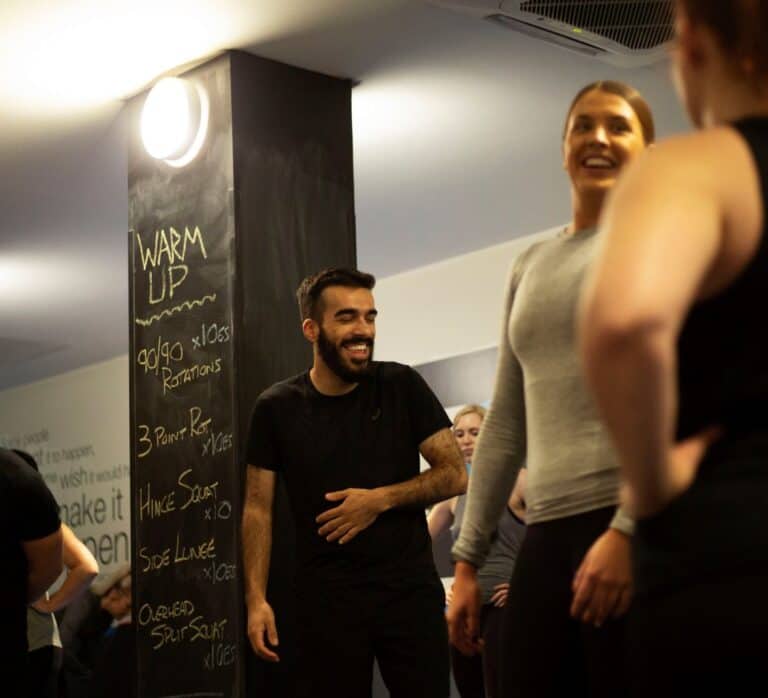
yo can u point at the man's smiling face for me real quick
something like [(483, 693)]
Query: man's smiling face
[(347, 331)]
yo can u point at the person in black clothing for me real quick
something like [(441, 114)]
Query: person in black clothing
[(30, 550), (675, 344), (114, 661), (346, 436), (46, 655)]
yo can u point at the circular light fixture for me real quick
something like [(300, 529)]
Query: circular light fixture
[(174, 121)]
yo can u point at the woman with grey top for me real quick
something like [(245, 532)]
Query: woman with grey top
[(562, 632), (476, 676)]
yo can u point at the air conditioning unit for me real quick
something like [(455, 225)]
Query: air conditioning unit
[(626, 33)]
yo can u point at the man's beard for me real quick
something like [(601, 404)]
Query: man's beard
[(331, 355)]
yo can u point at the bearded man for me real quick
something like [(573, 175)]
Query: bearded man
[(346, 436)]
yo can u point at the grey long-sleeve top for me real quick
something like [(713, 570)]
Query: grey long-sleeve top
[(541, 412)]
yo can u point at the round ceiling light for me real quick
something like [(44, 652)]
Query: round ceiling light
[(174, 120)]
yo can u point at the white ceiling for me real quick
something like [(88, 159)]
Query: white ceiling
[(456, 136)]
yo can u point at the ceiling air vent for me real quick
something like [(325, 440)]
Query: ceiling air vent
[(621, 32)]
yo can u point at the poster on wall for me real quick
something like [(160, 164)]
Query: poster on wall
[(75, 425)]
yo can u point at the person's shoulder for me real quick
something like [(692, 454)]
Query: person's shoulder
[(531, 253), (14, 471), (709, 152), (534, 249), (392, 371), (286, 390), (690, 164), (686, 158), (391, 368), (279, 399), (22, 487), (708, 139), (8, 461), (403, 379)]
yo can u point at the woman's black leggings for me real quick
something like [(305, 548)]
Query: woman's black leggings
[(545, 652)]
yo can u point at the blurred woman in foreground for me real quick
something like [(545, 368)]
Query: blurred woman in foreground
[(674, 345)]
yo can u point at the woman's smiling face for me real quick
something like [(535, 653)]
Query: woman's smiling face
[(603, 134)]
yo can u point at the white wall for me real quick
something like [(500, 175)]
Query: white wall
[(76, 426), (449, 308)]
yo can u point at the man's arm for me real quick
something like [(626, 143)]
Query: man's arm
[(257, 545), (44, 563), (446, 477), (359, 508)]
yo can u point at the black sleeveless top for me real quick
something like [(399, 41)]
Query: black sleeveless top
[(720, 525), (723, 346)]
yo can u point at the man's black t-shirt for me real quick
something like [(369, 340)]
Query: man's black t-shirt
[(28, 512), (367, 438)]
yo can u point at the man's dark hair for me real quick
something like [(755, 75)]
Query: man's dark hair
[(309, 291)]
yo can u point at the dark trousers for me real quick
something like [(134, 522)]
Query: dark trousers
[(710, 638), (401, 624), (44, 666), (546, 653), (478, 676), (14, 669), (699, 624)]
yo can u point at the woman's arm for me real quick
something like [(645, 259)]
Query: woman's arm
[(516, 502), (440, 517), (43, 563), (501, 446), (81, 569), (661, 238), (499, 454)]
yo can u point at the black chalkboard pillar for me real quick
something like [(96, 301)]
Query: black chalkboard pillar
[(216, 251)]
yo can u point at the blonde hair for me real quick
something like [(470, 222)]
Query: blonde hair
[(469, 409)]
